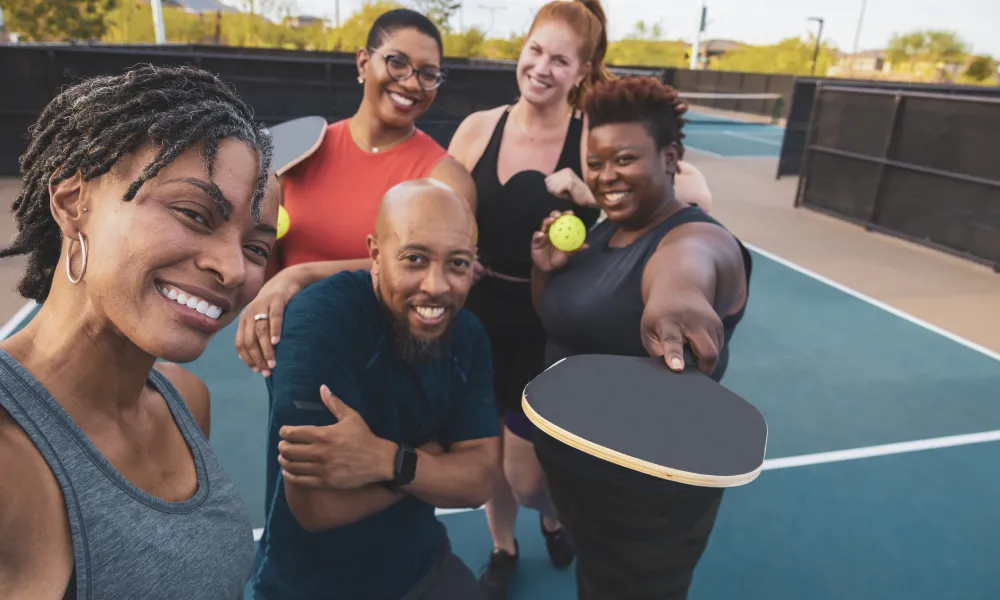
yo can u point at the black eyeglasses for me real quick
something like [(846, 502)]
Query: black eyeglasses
[(400, 68)]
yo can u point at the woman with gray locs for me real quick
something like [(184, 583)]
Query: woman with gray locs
[(147, 215)]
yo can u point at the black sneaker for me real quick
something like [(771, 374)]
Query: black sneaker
[(557, 543), (496, 577)]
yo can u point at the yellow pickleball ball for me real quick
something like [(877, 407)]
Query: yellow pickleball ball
[(567, 233), (283, 222)]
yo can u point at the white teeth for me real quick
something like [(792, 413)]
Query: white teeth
[(615, 196), (202, 306), (430, 313), (401, 99), (537, 83)]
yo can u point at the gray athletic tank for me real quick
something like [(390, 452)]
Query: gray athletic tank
[(128, 544)]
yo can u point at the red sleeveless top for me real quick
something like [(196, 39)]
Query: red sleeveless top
[(332, 198)]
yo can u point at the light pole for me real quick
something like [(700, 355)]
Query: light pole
[(857, 37), (696, 49), (819, 36), (157, 7)]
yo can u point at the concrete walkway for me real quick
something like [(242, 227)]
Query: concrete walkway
[(956, 295)]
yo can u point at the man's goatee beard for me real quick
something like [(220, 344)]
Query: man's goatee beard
[(408, 347)]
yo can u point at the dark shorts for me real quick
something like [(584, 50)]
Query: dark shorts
[(632, 543), (450, 579)]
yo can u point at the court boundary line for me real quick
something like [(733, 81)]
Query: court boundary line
[(18, 318), (751, 138), (876, 303), (706, 152), (835, 456)]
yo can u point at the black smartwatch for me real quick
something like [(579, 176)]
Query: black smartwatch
[(405, 467)]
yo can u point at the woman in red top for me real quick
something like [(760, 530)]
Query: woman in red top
[(332, 198)]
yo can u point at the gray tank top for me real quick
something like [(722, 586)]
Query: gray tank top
[(127, 543)]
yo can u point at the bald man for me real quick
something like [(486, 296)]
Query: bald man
[(381, 411)]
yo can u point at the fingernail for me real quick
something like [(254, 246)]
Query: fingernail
[(270, 363), (676, 363), (274, 339), (255, 369), (266, 373)]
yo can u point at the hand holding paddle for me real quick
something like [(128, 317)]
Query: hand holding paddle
[(670, 322)]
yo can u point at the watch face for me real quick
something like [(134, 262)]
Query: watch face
[(406, 464)]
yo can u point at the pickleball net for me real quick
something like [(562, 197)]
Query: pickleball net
[(721, 108)]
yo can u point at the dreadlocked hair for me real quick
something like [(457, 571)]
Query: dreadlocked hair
[(644, 100), (91, 126)]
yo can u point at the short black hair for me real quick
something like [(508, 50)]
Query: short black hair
[(644, 100), (89, 127), (392, 21)]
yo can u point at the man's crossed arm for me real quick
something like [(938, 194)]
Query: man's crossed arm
[(332, 474)]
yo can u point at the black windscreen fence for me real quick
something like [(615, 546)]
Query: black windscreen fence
[(279, 84), (803, 97), (920, 166)]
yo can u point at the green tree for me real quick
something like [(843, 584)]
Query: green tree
[(353, 32), (57, 20), (930, 46), (793, 56), (981, 68), (439, 11), (641, 31)]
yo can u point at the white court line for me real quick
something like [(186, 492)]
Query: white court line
[(882, 450), (708, 152), (876, 303), (751, 138), (13, 322), (834, 456)]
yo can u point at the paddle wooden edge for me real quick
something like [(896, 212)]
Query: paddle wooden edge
[(632, 463), (287, 167)]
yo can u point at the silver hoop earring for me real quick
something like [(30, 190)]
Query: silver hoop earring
[(69, 258)]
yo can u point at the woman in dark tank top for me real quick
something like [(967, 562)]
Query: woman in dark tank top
[(146, 217), (526, 161), (658, 277)]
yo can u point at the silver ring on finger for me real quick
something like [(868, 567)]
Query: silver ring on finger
[(260, 316)]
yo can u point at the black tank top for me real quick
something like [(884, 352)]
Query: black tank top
[(507, 216), (594, 306)]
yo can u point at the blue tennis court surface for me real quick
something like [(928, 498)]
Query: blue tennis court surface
[(731, 137), (865, 494)]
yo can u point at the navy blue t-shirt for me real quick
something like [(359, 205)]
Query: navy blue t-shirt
[(335, 333)]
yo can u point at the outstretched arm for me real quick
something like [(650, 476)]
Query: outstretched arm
[(696, 274)]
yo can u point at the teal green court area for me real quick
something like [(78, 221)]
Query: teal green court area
[(880, 481), (731, 137)]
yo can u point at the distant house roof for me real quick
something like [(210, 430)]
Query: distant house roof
[(198, 6), (870, 54)]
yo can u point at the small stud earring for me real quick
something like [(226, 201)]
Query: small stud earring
[(361, 79), (85, 209)]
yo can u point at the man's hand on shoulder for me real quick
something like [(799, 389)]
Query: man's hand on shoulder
[(194, 392)]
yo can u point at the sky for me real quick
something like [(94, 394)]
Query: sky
[(977, 22)]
